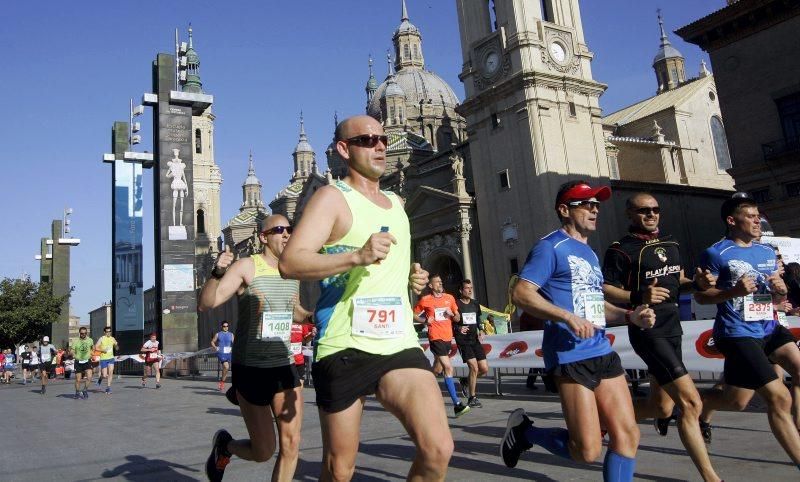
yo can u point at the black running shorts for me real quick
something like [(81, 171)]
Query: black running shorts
[(777, 339), (746, 362), (82, 367), (345, 376), (592, 371), (663, 356), (470, 349), (259, 385), (440, 348)]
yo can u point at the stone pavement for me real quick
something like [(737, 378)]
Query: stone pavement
[(153, 435)]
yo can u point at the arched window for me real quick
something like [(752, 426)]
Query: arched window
[(406, 53), (416, 51), (198, 144), (201, 221), (720, 144)]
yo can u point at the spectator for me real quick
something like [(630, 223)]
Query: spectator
[(488, 325), (68, 360)]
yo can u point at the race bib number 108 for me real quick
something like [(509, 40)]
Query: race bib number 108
[(378, 316)]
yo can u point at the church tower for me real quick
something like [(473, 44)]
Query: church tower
[(533, 122), (668, 63), (407, 43), (304, 157), (251, 190), (207, 175)]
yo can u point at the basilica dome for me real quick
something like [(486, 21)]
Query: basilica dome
[(418, 85)]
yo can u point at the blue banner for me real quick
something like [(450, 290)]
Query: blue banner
[(128, 279)]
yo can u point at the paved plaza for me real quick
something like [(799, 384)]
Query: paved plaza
[(164, 435)]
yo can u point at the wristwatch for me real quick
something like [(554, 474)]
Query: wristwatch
[(217, 274)]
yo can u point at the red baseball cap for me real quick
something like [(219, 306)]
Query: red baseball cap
[(582, 191)]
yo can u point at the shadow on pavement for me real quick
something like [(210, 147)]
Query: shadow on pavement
[(224, 411), (139, 468)]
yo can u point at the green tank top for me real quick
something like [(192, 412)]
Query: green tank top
[(367, 308), (268, 293)]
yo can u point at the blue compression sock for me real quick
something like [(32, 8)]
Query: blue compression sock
[(554, 440), (617, 468), (451, 389)]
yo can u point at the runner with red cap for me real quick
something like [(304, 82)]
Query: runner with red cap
[(561, 283)]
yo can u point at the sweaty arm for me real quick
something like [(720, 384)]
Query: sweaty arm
[(217, 291)]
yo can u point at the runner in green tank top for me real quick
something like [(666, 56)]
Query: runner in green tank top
[(265, 383), (355, 238)]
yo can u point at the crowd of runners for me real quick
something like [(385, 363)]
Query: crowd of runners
[(354, 238)]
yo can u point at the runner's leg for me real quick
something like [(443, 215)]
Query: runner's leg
[(287, 408), (412, 395), (616, 409), (444, 361), (110, 375), (685, 394), (779, 405), (259, 423), (656, 405), (583, 423), (340, 437), (472, 363), (788, 357)]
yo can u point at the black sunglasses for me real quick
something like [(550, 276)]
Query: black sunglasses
[(585, 204), (278, 230), (648, 210), (368, 140)]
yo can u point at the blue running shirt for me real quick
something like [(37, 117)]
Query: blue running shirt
[(565, 270), (729, 262)]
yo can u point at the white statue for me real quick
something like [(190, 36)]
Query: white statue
[(179, 186)]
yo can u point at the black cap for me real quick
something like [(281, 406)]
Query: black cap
[(730, 204)]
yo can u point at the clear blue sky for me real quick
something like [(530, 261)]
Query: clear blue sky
[(70, 68)]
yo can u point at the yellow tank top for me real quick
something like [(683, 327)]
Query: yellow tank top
[(367, 308)]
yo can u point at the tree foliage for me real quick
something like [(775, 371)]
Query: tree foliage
[(26, 310)]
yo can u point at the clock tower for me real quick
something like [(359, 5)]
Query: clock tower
[(533, 122)]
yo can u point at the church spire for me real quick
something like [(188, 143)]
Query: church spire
[(193, 83), (407, 42), (304, 156), (372, 83), (668, 62), (251, 188)]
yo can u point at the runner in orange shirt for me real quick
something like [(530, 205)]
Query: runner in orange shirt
[(438, 310)]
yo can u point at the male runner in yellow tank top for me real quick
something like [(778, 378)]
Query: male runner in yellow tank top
[(265, 383), (356, 239)]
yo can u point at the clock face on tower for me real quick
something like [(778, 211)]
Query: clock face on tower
[(491, 63), (558, 52)]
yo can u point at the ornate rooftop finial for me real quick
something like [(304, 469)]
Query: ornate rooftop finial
[(251, 170), (664, 39), (190, 34), (404, 14), (302, 127)]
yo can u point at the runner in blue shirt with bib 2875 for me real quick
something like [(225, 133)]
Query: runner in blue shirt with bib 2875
[(748, 287), (562, 283)]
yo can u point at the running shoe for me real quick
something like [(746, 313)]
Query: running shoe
[(86, 394), (44, 390), (662, 425), (144, 383), (463, 382), (219, 457), (514, 441), (460, 409), (474, 402), (108, 390), (158, 385), (705, 429), (221, 386), (99, 381), (78, 396)]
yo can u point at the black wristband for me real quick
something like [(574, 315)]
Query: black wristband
[(636, 298), (216, 274)]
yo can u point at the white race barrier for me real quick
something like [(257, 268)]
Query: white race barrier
[(523, 349), (167, 357)]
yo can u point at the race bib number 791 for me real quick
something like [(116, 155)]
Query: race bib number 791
[(378, 316)]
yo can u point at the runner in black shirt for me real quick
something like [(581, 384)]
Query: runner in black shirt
[(468, 341), (645, 267)]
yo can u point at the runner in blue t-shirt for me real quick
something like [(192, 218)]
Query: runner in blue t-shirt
[(223, 343), (748, 286), (562, 283)]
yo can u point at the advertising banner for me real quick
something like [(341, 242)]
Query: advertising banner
[(524, 349), (128, 282)]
